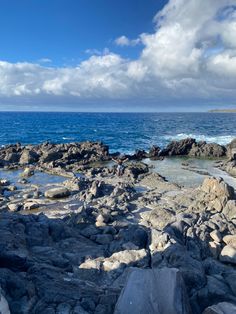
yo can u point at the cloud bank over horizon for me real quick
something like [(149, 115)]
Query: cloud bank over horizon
[(189, 57)]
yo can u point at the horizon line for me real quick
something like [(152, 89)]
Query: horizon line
[(46, 111)]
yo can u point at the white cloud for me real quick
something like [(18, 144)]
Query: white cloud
[(125, 41), (191, 55), (44, 60)]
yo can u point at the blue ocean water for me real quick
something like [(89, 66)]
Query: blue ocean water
[(123, 132)]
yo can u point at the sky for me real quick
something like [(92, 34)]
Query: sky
[(109, 55)]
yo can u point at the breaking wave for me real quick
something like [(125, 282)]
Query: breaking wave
[(221, 139)]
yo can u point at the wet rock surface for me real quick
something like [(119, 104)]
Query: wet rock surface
[(98, 243)]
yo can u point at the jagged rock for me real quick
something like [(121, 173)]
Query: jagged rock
[(96, 189), (57, 193), (231, 149), (154, 291), (154, 152), (207, 150), (178, 148), (134, 169), (51, 156), (217, 187), (221, 308), (230, 210), (28, 157), (140, 154)]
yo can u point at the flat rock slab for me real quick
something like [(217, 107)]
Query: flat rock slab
[(154, 291), (57, 193), (221, 308)]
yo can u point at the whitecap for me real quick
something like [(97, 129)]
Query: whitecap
[(221, 139), (68, 138)]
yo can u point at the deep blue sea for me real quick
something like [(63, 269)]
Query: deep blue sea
[(123, 132)]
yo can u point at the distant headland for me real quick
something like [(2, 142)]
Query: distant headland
[(223, 110)]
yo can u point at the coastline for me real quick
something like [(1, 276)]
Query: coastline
[(75, 229)]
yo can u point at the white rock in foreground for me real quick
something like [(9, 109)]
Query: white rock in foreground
[(228, 255)]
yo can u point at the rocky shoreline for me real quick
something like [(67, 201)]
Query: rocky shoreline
[(92, 242)]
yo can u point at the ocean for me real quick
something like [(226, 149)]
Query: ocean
[(123, 132)]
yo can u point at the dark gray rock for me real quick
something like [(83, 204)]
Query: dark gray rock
[(178, 148), (207, 150), (231, 149), (159, 291)]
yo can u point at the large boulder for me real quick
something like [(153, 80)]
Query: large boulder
[(217, 187), (57, 193), (178, 148), (231, 149), (154, 291), (207, 150)]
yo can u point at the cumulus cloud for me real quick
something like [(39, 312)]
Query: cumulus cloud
[(191, 55), (125, 41)]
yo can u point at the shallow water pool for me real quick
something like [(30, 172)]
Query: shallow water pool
[(173, 170)]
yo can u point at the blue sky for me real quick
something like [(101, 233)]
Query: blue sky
[(110, 55), (66, 31)]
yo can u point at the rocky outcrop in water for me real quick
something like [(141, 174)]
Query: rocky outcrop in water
[(229, 165), (207, 150), (178, 148), (55, 154), (190, 147)]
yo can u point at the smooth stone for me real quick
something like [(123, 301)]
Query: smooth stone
[(230, 240), (228, 255), (154, 291), (57, 193)]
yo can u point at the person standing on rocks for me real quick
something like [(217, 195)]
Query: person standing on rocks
[(120, 165)]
